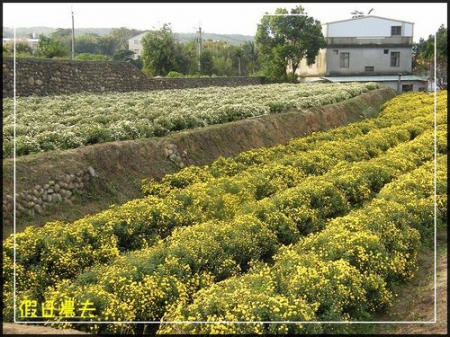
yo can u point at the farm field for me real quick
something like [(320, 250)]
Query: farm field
[(67, 122), (320, 229)]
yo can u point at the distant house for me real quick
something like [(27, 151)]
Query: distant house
[(135, 45), (368, 48), (33, 43)]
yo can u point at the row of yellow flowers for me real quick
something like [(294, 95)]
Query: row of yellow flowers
[(343, 273), (194, 257)]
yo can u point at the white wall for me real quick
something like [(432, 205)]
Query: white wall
[(366, 27)]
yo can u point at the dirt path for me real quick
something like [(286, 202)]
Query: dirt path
[(25, 329)]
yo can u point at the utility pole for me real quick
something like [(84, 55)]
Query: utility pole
[(73, 36), (199, 41)]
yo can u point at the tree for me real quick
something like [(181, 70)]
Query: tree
[(88, 43), (63, 36), (49, 48), (238, 54), (121, 35), (108, 46), (288, 38), (159, 54), (207, 63), (127, 55), (251, 53), (423, 57), (187, 62)]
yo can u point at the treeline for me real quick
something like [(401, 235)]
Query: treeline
[(423, 57), (279, 41), (111, 47)]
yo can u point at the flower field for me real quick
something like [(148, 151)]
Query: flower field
[(315, 230), (66, 122)]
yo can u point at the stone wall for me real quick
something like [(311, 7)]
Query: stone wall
[(44, 77), (36, 200)]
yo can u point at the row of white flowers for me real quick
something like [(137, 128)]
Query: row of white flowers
[(64, 122)]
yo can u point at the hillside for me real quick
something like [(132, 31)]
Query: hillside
[(234, 39)]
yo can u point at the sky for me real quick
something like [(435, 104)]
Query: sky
[(218, 18)]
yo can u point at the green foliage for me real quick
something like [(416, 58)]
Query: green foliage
[(50, 48), (423, 57), (286, 40), (160, 51), (91, 57), (23, 48)]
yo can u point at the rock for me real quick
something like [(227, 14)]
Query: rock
[(57, 197), (20, 208), (49, 198), (91, 171), (50, 191), (68, 194), (38, 209), (29, 197), (172, 147), (67, 179), (57, 187)]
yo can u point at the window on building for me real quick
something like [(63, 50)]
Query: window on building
[(135, 41), (386, 51), (345, 60), (395, 59), (369, 69), (396, 30), (407, 87), (336, 52)]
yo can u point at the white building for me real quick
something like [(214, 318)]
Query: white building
[(135, 45), (368, 48)]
